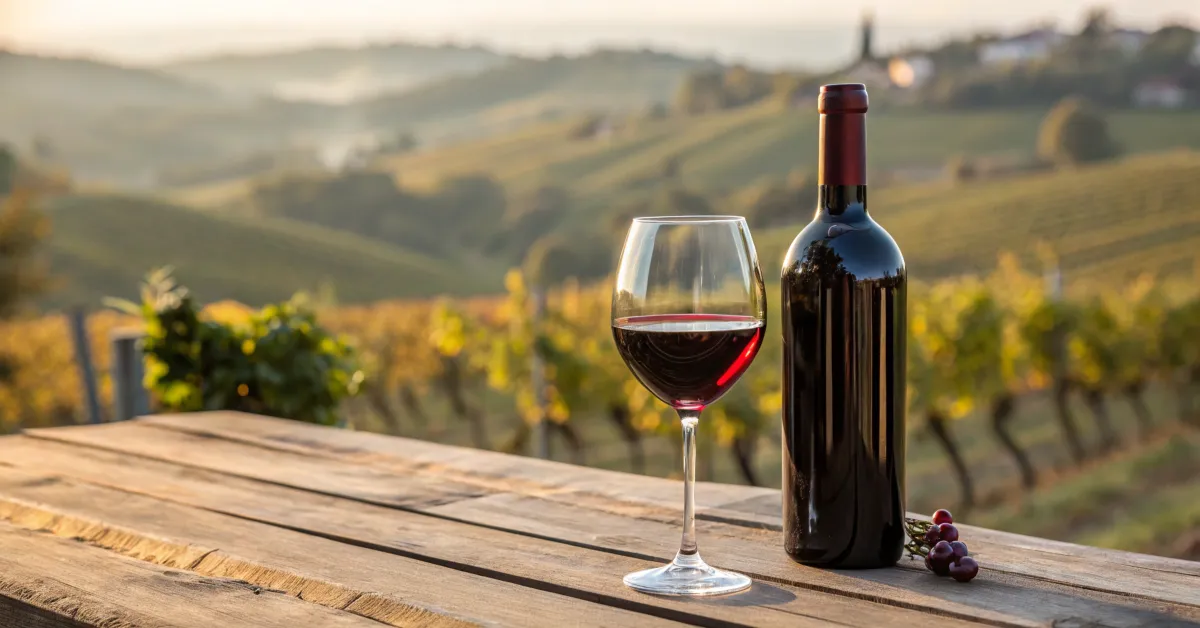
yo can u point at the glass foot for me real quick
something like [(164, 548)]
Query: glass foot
[(687, 575)]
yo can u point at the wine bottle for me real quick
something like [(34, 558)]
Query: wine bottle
[(844, 340)]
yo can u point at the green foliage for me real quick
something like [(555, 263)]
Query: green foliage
[(280, 363), (1073, 134)]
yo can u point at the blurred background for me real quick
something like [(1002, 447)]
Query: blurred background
[(444, 186)]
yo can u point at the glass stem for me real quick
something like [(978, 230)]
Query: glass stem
[(688, 547)]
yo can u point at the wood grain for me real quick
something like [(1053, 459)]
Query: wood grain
[(71, 583), (385, 587), (1122, 573), (503, 472), (997, 598), (535, 563)]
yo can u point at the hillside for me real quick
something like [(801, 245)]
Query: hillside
[(120, 124), (1107, 223), (335, 74), (103, 245), (527, 89), (726, 150), (78, 82)]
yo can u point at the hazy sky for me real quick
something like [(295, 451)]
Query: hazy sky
[(145, 29)]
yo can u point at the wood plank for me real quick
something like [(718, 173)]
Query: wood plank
[(1065, 563), (997, 597), (503, 472), (1004, 585), (385, 587), (70, 583), (554, 566)]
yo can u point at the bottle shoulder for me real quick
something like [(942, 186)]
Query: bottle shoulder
[(862, 248)]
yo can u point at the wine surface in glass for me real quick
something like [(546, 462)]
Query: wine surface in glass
[(688, 360)]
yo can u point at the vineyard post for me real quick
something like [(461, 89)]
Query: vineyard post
[(129, 394), (537, 374), (83, 359)]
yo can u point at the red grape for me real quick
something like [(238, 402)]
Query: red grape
[(948, 532), (928, 564), (964, 569), (940, 557), (960, 549), (933, 535), (942, 516)]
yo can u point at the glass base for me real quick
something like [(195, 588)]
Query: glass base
[(687, 575)]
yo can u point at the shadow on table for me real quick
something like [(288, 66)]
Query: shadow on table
[(759, 594)]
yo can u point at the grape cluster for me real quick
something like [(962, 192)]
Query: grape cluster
[(938, 543)]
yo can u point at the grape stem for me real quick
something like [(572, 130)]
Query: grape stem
[(916, 530)]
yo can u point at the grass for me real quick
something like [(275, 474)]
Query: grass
[(102, 245)]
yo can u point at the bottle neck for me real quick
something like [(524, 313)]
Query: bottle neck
[(842, 165), (847, 202)]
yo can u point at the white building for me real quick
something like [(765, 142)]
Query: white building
[(1036, 45), (1159, 93)]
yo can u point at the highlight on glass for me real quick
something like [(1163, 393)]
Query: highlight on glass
[(688, 318)]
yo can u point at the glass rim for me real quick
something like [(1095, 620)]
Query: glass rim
[(689, 219)]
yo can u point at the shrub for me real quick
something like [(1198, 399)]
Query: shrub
[(278, 362), (1072, 133)]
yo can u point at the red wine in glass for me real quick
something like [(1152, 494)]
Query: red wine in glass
[(688, 316), (688, 360)]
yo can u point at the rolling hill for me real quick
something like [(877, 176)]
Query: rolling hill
[(723, 151), (1107, 223), (335, 74), (102, 245), (119, 124), (1141, 213), (525, 90)]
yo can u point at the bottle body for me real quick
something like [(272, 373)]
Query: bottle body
[(844, 302)]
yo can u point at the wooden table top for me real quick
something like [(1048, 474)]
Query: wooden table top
[(225, 519)]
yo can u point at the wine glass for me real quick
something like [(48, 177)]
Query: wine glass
[(688, 316)]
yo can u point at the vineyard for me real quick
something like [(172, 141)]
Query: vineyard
[(1010, 386)]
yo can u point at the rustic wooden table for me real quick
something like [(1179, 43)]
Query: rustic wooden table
[(225, 519)]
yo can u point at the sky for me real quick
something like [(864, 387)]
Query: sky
[(150, 30)]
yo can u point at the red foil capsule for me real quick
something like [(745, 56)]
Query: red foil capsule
[(843, 143)]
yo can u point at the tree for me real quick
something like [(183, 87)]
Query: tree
[(555, 258), (701, 92), (8, 170), (1072, 133), (22, 230), (783, 203), (1097, 23)]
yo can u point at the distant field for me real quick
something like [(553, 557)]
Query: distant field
[(102, 245), (735, 148), (1107, 222)]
